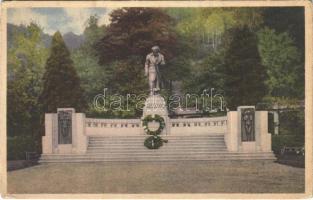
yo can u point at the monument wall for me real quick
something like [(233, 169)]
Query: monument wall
[(64, 132), (247, 130), (244, 130)]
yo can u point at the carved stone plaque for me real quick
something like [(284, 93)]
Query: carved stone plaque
[(65, 127), (247, 124)]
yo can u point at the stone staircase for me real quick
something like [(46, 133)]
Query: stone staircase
[(131, 148)]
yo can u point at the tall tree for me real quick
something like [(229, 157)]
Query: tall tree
[(26, 60), (244, 75), (290, 19), (92, 75), (283, 64), (61, 84), (133, 31), (205, 26)]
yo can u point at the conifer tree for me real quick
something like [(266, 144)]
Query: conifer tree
[(61, 82), (244, 80)]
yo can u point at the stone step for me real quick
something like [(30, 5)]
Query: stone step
[(161, 148), (169, 138), (155, 159), (150, 151), (214, 157), (137, 138), (169, 144), (203, 152), (137, 155), (160, 160), (210, 154), (178, 148), (165, 136), (143, 139), (173, 151), (90, 150)]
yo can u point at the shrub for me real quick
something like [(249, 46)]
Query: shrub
[(291, 131), (19, 145), (279, 141)]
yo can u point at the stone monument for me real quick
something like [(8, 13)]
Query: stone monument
[(155, 103)]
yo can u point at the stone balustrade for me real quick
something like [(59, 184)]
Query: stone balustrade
[(199, 122), (198, 126), (112, 127), (181, 126), (112, 123)]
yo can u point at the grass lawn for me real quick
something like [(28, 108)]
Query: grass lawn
[(166, 177)]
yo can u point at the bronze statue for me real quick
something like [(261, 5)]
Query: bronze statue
[(153, 61)]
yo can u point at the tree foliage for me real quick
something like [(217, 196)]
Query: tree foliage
[(243, 72), (61, 84), (127, 41), (133, 31), (290, 20), (281, 58), (197, 43), (92, 75), (205, 27), (203, 47), (26, 58)]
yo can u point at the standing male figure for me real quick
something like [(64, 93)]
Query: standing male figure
[(153, 61)]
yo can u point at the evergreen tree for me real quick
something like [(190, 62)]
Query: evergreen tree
[(61, 84), (244, 74)]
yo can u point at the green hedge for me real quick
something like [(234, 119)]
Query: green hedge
[(292, 123), (19, 145), (291, 130), (279, 141)]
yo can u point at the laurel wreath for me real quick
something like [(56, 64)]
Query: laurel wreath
[(156, 118), (154, 141)]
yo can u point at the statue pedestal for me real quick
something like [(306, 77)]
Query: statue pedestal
[(156, 105)]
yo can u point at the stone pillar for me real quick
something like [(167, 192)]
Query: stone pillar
[(247, 130), (81, 138), (65, 132), (47, 140), (276, 122), (265, 138), (231, 136)]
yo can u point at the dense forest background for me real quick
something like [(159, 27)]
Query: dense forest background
[(252, 56)]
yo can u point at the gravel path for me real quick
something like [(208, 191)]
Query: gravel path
[(166, 177)]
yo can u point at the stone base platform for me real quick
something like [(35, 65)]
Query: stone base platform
[(178, 148)]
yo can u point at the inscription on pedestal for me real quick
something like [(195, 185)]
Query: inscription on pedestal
[(155, 105), (152, 106)]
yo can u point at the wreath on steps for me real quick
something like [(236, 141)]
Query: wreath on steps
[(154, 141)]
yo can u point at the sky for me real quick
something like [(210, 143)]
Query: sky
[(58, 19)]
